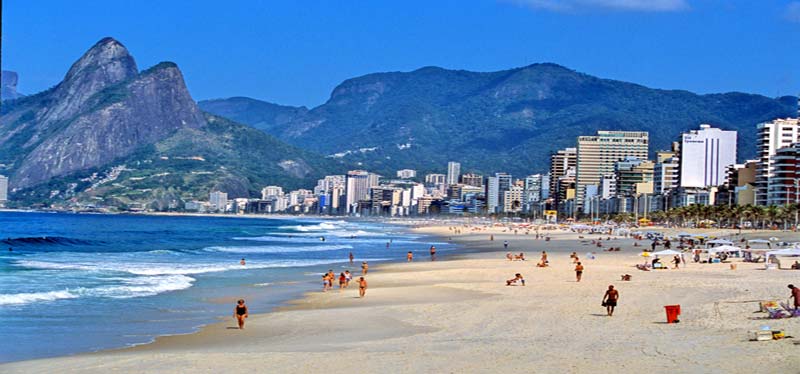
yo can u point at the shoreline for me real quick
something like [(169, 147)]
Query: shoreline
[(394, 320)]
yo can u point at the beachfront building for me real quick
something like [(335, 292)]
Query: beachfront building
[(406, 174), (513, 199), (472, 180), (536, 190), (357, 188), (270, 191), (453, 172), (784, 183), (634, 176), (330, 192), (597, 155), (705, 155), (741, 183), (496, 188), (3, 190), (218, 201), (665, 175), (561, 163), (771, 136)]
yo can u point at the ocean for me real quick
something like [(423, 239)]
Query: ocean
[(77, 283)]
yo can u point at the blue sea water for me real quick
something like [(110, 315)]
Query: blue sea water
[(83, 282)]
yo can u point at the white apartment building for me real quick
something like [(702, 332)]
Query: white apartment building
[(597, 155), (771, 136), (705, 155)]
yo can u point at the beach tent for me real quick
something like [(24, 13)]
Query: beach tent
[(721, 241), (724, 248), (784, 252), (666, 252)]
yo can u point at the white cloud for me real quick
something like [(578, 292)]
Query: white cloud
[(618, 5), (792, 12)]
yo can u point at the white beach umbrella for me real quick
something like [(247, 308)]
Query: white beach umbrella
[(666, 252), (721, 241)]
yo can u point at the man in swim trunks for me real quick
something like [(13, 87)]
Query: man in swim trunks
[(610, 300), (578, 271), (362, 286), (240, 313)]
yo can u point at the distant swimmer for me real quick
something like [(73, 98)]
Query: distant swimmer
[(240, 313), (433, 253), (362, 287), (322, 238), (242, 262), (410, 256), (351, 257)]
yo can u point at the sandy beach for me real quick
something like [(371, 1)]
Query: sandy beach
[(458, 316)]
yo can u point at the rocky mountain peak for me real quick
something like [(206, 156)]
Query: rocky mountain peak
[(9, 85)]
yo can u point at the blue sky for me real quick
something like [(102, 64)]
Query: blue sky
[(296, 52)]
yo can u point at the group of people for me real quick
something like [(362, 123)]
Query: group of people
[(329, 278)]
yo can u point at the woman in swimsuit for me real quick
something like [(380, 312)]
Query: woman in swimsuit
[(342, 281), (362, 286), (240, 313)]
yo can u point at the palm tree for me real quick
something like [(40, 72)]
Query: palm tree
[(771, 213)]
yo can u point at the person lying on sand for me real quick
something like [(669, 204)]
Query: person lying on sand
[(520, 257), (625, 277), (509, 256), (517, 278)]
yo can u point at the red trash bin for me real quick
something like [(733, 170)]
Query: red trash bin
[(673, 311)]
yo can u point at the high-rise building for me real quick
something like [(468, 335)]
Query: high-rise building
[(358, 184), (495, 191), (705, 155), (560, 162), (3, 190), (608, 186), (453, 171), (218, 201), (665, 175), (406, 174), (783, 184), (472, 180), (513, 199), (772, 135), (632, 176), (534, 188), (435, 179), (271, 191), (597, 155)]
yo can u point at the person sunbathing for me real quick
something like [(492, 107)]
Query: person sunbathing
[(517, 278), (625, 277), (509, 256), (520, 257)]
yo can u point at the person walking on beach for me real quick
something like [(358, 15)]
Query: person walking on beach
[(433, 253), (342, 281), (364, 268), (795, 295), (410, 256), (351, 258), (240, 313), (325, 282), (676, 260), (578, 271), (362, 286), (347, 278), (610, 300)]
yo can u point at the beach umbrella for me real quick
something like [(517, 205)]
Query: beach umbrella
[(684, 235), (724, 248), (759, 241), (721, 241)]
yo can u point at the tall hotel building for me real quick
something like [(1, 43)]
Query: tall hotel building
[(357, 188), (597, 155), (772, 135), (705, 156), (453, 172), (560, 162)]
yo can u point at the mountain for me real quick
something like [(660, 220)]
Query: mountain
[(8, 85), (110, 133), (507, 120), (264, 116)]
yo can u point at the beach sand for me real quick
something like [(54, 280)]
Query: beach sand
[(459, 316)]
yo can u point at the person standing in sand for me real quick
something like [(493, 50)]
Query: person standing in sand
[(364, 268), (610, 300), (240, 313), (795, 295), (347, 278), (362, 287), (578, 271)]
